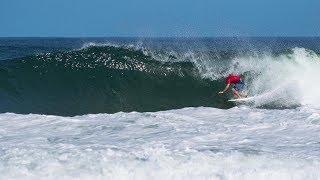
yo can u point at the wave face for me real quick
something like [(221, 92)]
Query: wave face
[(108, 78), (101, 79)]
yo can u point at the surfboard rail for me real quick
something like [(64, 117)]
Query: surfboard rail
[(241, 99)]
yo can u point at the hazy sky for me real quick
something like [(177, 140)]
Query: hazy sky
[(82, 18)]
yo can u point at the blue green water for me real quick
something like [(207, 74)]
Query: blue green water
[(73, 76)]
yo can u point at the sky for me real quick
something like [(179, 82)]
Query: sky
[(159, 18)]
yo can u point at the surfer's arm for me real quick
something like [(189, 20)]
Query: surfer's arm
[(225, 89)]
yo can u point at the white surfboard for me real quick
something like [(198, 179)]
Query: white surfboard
[(242, 99)]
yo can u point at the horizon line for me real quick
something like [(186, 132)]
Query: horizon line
[(153, 37)]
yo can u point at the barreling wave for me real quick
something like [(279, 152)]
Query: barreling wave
[(102, 79), (108, 79)]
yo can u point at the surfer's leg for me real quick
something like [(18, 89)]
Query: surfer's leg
[(236, 93)]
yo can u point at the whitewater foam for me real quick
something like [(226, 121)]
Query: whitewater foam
[(283, 80), (190, 143), (286, 78)]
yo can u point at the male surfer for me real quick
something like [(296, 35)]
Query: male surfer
[(238, 85)]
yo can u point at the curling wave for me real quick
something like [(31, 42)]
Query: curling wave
[(108, 79)]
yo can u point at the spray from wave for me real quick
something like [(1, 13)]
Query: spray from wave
[(284, 80)]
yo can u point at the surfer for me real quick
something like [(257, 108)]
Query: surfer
[(237, 88)]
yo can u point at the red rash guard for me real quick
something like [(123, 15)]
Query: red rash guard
[(233, 79)]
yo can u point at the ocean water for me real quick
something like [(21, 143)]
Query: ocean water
[(134, 108)]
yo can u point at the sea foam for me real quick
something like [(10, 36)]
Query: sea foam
[(189, 143)]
